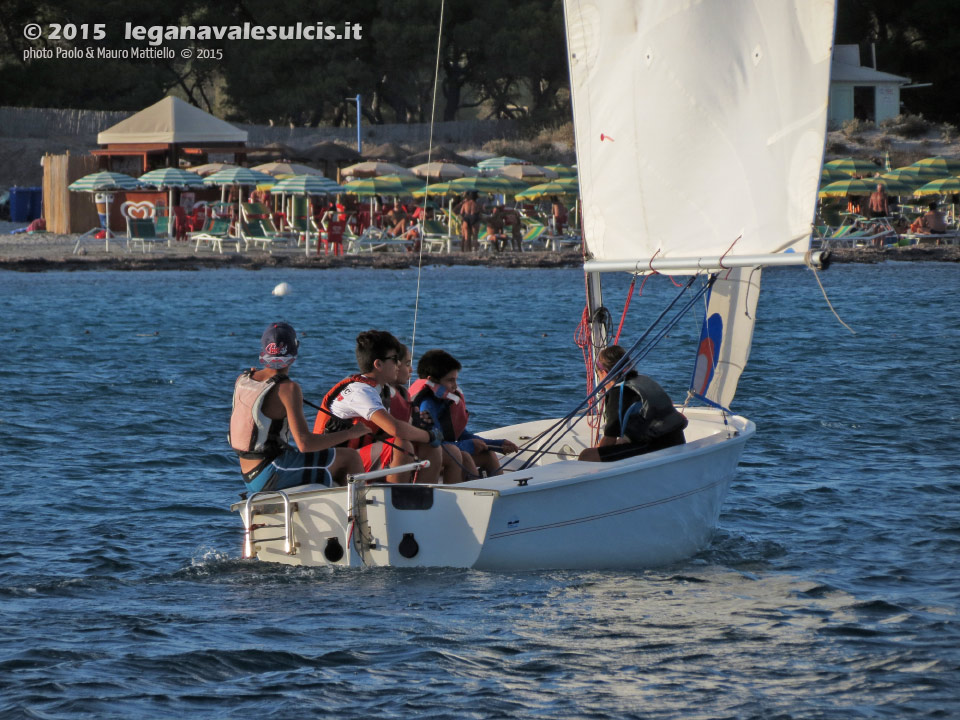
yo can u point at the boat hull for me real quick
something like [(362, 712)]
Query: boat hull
[(560, 513)]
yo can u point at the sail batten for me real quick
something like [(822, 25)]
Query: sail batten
[(698, 123)]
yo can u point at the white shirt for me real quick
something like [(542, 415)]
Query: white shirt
[(357, 400)]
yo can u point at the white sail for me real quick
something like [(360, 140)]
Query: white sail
[(726, 336), (699, 125)]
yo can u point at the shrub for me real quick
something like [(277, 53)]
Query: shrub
[(855, 127), (948, 133), (907, 126), (837, 147), (883, 142)]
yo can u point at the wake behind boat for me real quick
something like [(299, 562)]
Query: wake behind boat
[(700, 133)]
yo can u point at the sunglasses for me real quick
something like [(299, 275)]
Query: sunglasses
[(395, 358)]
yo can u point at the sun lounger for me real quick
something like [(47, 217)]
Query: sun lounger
[(215, 235), (374, 240), (435, 236), (142, 231)]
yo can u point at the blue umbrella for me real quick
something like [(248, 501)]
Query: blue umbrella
[(239, 176), (171, 178), (308, 185)]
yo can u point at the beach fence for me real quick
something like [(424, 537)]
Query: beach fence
[(65, 211)]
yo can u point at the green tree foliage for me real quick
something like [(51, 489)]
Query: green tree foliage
[(916, 39), (501, 58)]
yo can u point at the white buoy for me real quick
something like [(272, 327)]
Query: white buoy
[(281, 289)]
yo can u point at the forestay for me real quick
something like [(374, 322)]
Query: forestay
[(698, 123)]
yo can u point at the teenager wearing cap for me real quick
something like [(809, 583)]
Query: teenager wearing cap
[(268, 413)]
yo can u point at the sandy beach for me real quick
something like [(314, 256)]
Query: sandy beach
[(46, 251)]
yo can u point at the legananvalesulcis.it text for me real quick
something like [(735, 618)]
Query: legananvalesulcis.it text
[(157, 34)]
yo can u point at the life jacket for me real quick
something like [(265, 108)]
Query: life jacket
[(253, 435), (652, 415), (327, 422), (397, 401), (454, 421)]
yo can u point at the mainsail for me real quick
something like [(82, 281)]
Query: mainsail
[(700, 125), (726, 336)]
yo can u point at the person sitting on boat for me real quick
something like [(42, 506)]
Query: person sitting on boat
[(931, 222), (441, 403), (396, 399), (268, 411), (356, 400), (638, 415)]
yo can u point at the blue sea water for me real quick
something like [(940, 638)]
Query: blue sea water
[(831, 589)]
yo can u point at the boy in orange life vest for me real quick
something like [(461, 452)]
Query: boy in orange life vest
[(437, 396), (356, 400), (268, 410), (397, 401)]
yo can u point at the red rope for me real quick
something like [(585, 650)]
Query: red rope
[(626, 306), (657, 272)]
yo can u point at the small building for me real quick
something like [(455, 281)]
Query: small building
[(863, 92), (159, 135)]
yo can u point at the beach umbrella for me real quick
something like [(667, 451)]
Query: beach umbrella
[(366, 187), (843, 188), (438, 153), (104, 182), (546, 190), (276, 169), (498, 162), (169, 179), (946, 166), (854, 166), (894, 185), (922, 173), (476, 184), (434, 190), (944, 186), (443, 170), (528, 172), (831, 174), (562, 171), (211, 168), (372, 168), (239, 176), (308, 185)]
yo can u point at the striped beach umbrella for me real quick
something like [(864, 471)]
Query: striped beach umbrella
[(211, 168), (374, 186), (533, 174), (562, 171), (308, 185), (278, 169), (103, 181), (843, 188), (947, 166), (498, 162), (434, 190), (546, 190), (828, 175), (444, 171), (895, 185), (506, 185), (238, 176), (854, 166), (944, 186), (921, 173), (373, 168), (409, 182), (169, 179), (476, 184)]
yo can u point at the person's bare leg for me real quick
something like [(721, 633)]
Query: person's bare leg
[(590, 455), (401, 458), (452, 468), (346, 461)]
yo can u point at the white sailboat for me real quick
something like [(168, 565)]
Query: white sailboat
[(700, 130)]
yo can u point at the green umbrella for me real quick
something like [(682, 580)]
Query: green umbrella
[(562, 171), (895, 185), (170, 178), (434, 190), (506, 185), (843, 188), (104, 182), (238, 176), (921, 173), (374, 186), (947, 166), (546, 190), (476, 184), (854, 166), (308, 185), (831, 174), (498, 162), (945, 186), (410, 183)]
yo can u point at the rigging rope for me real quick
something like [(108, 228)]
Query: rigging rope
[(824, 291), (426, 196)]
